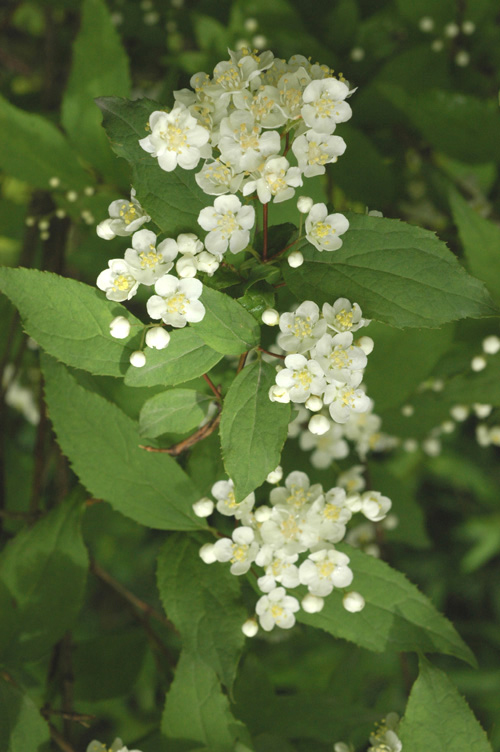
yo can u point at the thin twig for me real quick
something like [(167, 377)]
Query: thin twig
[(81, 718), (195, 437), (59, 739), (268, 352), (212, 386), (241, 362)]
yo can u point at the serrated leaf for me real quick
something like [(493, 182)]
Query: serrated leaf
[(397, 616), (44, 569), (226, 327), (204, 604), (173, 199), (175, 411), (100, 65), (196, 709), (22, 727), (438, 718), (252, 429), (185, 358), (103, 446), (70, 320), (398, 273)]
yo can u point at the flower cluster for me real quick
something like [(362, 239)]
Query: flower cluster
[(293, 540), (117, 746), (324, 365), (383, 739)]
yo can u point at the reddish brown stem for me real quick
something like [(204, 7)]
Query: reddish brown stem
[(195, 437), (212, 386), (264, 229), (268, 352), (241, 362)]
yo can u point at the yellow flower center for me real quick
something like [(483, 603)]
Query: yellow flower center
[(239, 552), (227, 224), (176, 303), (344, 318), (325, 568), (321, 230), (128, 213), (123, 282), (175, 137)]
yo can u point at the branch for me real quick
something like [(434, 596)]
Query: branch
[(195, 437)]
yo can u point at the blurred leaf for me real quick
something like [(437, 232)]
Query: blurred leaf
[(174, 411), (226, 327), (399, 274), (22, 727), (413, 10), (103, 446), (484, 533), (472, 386)]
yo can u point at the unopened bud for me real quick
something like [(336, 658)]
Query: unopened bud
[(204, 507), (157, 338), (353, 602), (312, 604), (319, 425), (275, 475), (314, 403), (54, 182), (426, 24), (119, 328), (482, 411), (104, 230), (207, 263), (366, 344), (186, 266), (249, 628), (491, 345), (72, 196), (459, 413), (451, 30), (478, 363), (279, 394), (304, 204), (270, 317), (206, 553), (137, 359), (295, 259)]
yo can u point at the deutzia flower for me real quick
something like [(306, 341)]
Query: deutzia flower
[(375, 506), (323, 229), (343, 316), (324, 104), (297, 491), (117, 746), (277, 180), (147, 262), (234, 75), (223, 491), (125, 217), (301, 377), (175, 139), (243, 145), (281, 570), (118, 282), (384, 738), (327, 447), (340, 359), (301, 330), (324, 570), (176, 301), (216, 178), (314, 150), (240, 551), (342, 399), (228, 224), (277, 608)]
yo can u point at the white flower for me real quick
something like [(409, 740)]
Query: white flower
[(119, 328), (277, 180), (157, 338), (263, 104), (297, 492), (324, 570), (216, 178), (342, 399), (235, 75), (125, 217), (228, 224), (270, 317), (207, 554), (343, 317), (312, 604), (375, 506), (117, 746), (207, 262), (176, 301), (304, 204), (147, 262), (301, 330), (353, 602), (352, 480), (324, 104), (243, 145), (240, 551), (315, 150), (250, 628), (175, 139), (277, 608), (301, 377), (323, 230), (318, 425), (118, 282), (340, 360), (327, 447), (295, 259), (187, 266), (330, 514), (491, 345), (279, 394), (275, 475), (137, 359), (280, 570), (203, 507), (223, 491), (478, 363), (384, 738)]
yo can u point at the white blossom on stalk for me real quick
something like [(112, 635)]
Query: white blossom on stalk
[(118, 281), (353, 602), (326, 447), (319, 425), (344, 399), (117, 746), (207, 262), (385, 738), (330, 514), (263, 104), (231, 77), (323, 230), (157, 338), (301, 330), (119, 328), (315, 150), (352, 480), (176, 138), (125, 217), (324, 104), (176, 301), (277, 609), (324, 570), (275, 180), (340, 360), (240, 551), (301, 377), (243, 145), (374, 506), (281, 570), (216, 178), (228, 224), (343, 316), (223, 491), (297, 491), (147, 262)]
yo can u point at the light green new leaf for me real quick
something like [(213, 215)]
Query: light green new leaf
[(175, 411), (70, 320), (43, 569), (185, 358), (398, 273), (100, 66), (203, 603), (227, 327), (437, 717), (252, 429), (481, 242), (397, 616), (103, 446), (34, 150), (22, 728), (196, 709), (173, 199)]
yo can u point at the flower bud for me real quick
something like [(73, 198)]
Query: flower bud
[(451, 30), (157, 338), (319, 425), (312, 604), (426, 24), (366, 344), (104, 230), (186, 266), (482, 411), (407, 411), (478, 363), (270, 317), (353, 602), (491, 345), (137, 359), (204, 507), (263, 513), (206, 553), (314, 403), (249, 628), (468, 27), (72, 196), (295, 259), (207, 263), (119, 328), (275, 475), (304, 204), (54, 182), (279, 394), (459, 413)]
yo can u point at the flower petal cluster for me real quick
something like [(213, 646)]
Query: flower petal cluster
[(323, 230), (176, 301), (228, 223), (125, 217), (176, 138)]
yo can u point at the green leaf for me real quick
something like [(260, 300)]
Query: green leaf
[(252, 429), (414, 10), (175, 411), (70, 320), (186, 358), (226, 327), (44, 569), (396, 616), (481, 240), (482, 386), (34, 150), (399, 274), (100, 66), (103, 446), (196, 709), (22, 729), (204, 604), (173, 199), (438, 718)]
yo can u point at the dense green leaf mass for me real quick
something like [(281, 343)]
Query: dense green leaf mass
[(226, 327), (252, 429), (438, 718), (204, 604), (22, 727), (43, 572), (185, 358), (70, 320), (103, 446), (396, 616), (399, 274), (174, 411)]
